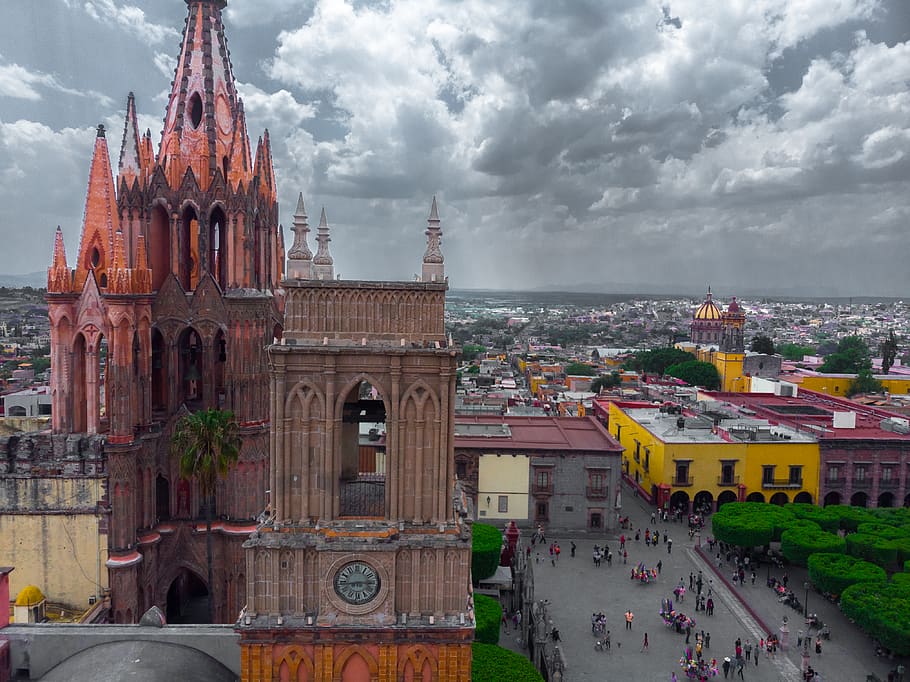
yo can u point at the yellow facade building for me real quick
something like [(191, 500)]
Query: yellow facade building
[(687, 459), (502, 486)]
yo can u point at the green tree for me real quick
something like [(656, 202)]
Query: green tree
[(656, 360), (851, 356), (470, 351), (207, 444), (603, 382), (580, 369), (889, 350), (696, 373), (486, 548), (864, 383), (762, 344), (792, 351)]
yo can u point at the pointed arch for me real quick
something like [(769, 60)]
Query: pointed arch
[(294, 657), (413, 390), (419, 430), (355, 382), (350, 659), (417, 657)]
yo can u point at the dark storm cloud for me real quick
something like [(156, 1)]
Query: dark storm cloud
[(753, 142)]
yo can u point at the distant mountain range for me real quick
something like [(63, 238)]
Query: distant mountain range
[(37, 280)]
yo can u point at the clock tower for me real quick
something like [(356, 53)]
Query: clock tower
[(362, 569)]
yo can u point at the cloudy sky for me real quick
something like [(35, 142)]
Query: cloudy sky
[(756, 145)]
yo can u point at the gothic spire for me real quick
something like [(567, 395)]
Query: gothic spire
[(323, 265), (101, 220), (59, 277), (433, 260), (203, 104), (131, 164), (300, 257)]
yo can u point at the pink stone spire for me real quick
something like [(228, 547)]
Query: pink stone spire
[(433, 260), (300, 258), (323, 265), (59, 277)]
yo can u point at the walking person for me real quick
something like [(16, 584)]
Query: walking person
[(573, 549), (726, 666), (660, 565), (748, 651), (669, 545), (629, 618), (644, 644), (740, 664)]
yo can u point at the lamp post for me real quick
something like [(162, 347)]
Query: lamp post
[(806, 602)]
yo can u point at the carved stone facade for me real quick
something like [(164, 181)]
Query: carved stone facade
[(173, 298), (357, 352)]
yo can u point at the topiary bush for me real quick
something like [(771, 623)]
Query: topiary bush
[(486, 546), (798, 544), (850, 517), (883, 611), (493, 663), (749, 524), (836, 572), (826, 520), (488, 617), (874, 548), (883, 530), (901, 579)]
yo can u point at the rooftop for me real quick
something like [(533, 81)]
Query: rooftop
[(568, 434)]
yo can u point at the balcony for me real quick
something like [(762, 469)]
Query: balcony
[(598, 493), (784, 483), (834, 483), (863, 483), (889, 483), (542, 488), (682, 481), (727, 481)]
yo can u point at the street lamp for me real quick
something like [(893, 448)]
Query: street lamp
[(806, 603)]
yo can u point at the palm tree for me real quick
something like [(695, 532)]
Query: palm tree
[(207, 443)]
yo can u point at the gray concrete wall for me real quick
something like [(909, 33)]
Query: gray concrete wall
[(569, 504), (39, 648)]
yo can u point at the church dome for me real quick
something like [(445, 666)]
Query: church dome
[(29, 596), (733, 307), (708, 310)]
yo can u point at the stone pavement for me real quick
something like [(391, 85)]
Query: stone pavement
[(575, 589)]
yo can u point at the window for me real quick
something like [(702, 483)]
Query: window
[(647, 464), (726, 474), (859, 473), (543, 478), (767, 474), (886, 473), (542, 511), (796, 475), (195, 110), (637, 451), (503, 504), (597, 481), (595, 520), (461, 470), (833, 473), (682, 473)]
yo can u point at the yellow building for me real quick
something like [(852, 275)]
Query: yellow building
[(839, 384), (692, 459), (502, 487)]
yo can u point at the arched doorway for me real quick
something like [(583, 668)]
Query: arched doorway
[(886, 499), (755, 497), (191, 369), (680, 500), (803, 497), (188, 271), (159, 245), (859, 499), (216, 244), (704, 502), (219, 362), (779, 499), (80, 396), (162, 498), (187, 599), (362, 476), (724, 497), (832, 498)]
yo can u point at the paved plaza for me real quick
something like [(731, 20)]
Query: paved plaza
[(575, 588)]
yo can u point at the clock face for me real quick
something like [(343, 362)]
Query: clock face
[(357, 582)]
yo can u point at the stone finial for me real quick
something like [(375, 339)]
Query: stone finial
[(300, 257), (59, 277), (433, 260), (323, 265)]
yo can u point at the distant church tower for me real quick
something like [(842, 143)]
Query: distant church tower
[(173, 297), (363, 570), (734, 319)]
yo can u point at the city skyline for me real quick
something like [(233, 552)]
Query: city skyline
[(675, 145)]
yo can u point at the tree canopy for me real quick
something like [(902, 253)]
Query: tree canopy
[(792, 351), (762, 344), (888, 350), (609, 381), (851, 356), (864, 383), (580, 369), (696, 373), (656, 360)]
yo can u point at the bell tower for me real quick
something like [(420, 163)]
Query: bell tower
[(362, 572)]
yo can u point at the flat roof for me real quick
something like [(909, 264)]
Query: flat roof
[(738, 428), (568, 434)]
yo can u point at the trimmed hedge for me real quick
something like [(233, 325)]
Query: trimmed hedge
[(883, 530), (874, 548), (850, 517), (883, 611), (750, 524), (836, 572), (486, 546), (826, 520), (799, 543), (493, 664), (488, 616), (907, 566), (901, 579)]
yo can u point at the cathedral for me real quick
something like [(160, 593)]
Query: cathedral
[(167, 307), (177, 300), (712, 327)]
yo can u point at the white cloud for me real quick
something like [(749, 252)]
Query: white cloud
[(19, 82), (126, 17), (252, 12)]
